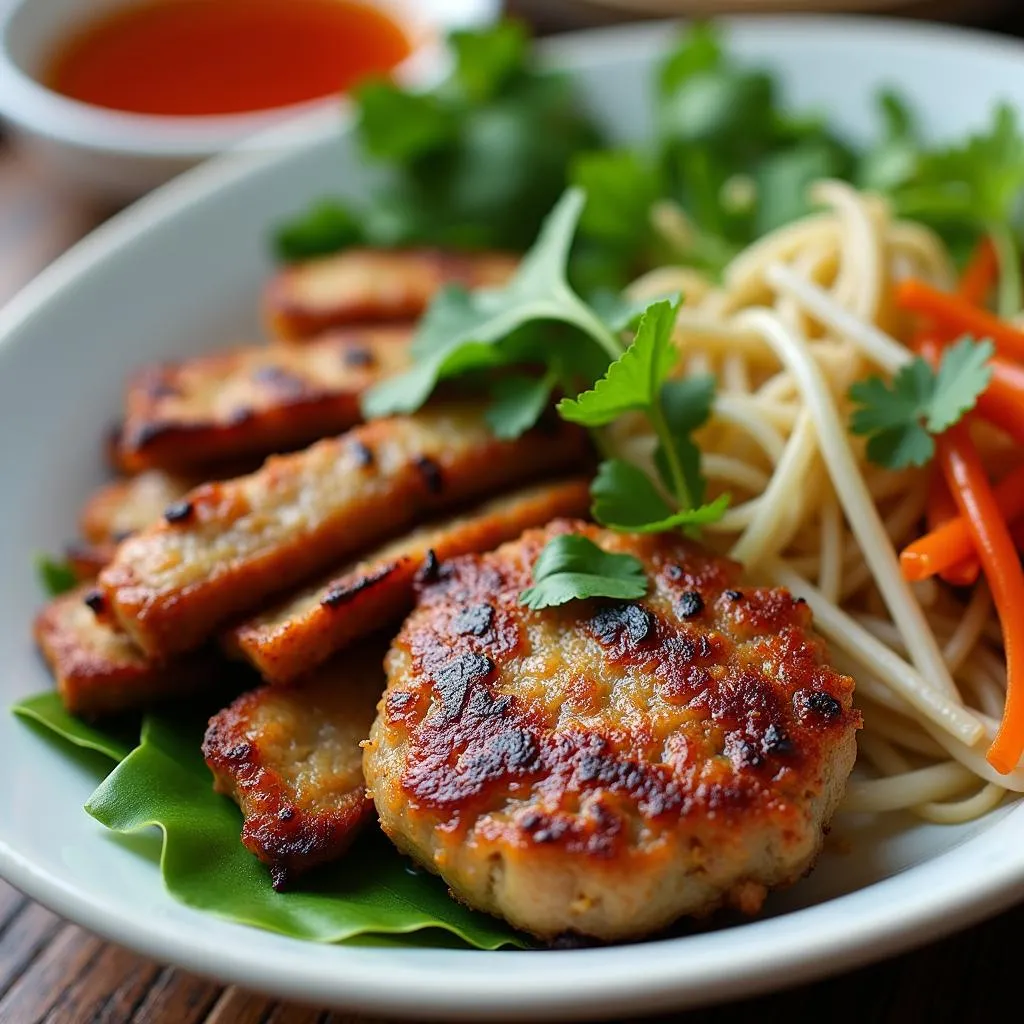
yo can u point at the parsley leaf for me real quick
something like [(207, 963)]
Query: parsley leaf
[(572, 568), (901, 419), (464, 330), (55, 577)]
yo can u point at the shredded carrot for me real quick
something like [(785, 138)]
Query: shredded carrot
[(981, 274), (951, 543), (966, 478), (1002, 403), (941, 509), (952, 316)]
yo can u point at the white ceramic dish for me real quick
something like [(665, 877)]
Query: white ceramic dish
[(179, 273), (116, 156)]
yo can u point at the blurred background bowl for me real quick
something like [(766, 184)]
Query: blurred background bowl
[(113, 156)]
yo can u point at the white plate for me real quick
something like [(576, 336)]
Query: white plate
[(179, 273)]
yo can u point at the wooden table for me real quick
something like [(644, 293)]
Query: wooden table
[(53, 972)]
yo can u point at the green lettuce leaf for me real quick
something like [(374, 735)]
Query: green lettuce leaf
[(371, 894)]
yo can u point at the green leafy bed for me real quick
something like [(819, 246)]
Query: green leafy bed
[(370, 897)]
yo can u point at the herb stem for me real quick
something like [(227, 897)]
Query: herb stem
[(682, 492), (587, 321), (1009, 296)]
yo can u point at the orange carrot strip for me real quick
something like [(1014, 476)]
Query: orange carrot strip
[(941, 509), (965, 475), (1002, 403), (953, 316), (951, 543), (980, 274)]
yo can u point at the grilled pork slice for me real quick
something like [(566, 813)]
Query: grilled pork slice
[(225, 548), (254, 401), (604, 767), (291, 760), (295, 636), (99, 670), (369, 285), (121, 508)]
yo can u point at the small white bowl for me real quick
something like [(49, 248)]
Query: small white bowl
[(113, 156)]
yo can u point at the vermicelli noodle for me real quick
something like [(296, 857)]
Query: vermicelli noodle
[(800, 316)]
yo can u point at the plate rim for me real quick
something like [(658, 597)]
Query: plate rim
[(615, 980)]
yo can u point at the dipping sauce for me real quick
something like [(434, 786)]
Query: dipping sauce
[(195, 57)]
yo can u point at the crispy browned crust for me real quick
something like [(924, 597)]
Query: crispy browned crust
[(223, 550), (99, 671), (368, 285), (291, 760), (293, 637), (121, 508), (256, 400), (623, 739)]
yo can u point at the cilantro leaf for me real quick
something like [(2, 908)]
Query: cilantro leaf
[(686, 405), (519, 401), (624, 498), (963, 375), (635, 378), (55, 577), (574, 568), (488, 59), (621, 188), (893, 161), (900, 419), (475, 162), (401, 126), (464, 330), (326, 227)]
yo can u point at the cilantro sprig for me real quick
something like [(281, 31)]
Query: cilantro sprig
[(639, 381), (572, 568), (902, 419), (464, 332), (475, 162)]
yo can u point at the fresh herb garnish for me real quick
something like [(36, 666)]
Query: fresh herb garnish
[(972, 189), (467, 331), (55, 577), (474, 163), (624, 497), (573, 568), (901, 419)]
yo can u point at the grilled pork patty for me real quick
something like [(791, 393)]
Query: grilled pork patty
[(604, 768)]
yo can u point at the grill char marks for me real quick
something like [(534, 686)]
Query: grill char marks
[(605, 745), (290, 639), (171, 586), (292, 762), (251, 402)]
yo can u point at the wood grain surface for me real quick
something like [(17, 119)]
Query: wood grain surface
[(53, 972)]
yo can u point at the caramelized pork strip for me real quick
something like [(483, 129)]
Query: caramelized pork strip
[(118, 510), (99, 671), (220, 552), (121, 508), (370, 285), (291, 759), (293, 637), (256, 400)]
